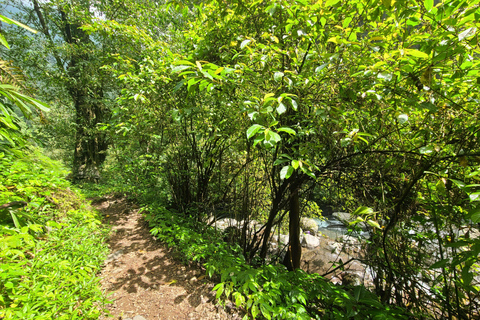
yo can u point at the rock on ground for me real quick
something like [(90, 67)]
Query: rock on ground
[(310, 241)]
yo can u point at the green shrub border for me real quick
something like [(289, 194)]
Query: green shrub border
[(269, 291)]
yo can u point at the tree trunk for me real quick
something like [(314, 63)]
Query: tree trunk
[(90, 144), (294, 252)]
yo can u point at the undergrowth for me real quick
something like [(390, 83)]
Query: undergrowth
[(269, 291), (51, 243)]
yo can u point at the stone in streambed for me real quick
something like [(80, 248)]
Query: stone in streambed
[(310, 241)]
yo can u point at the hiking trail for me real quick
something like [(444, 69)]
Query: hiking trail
[(145, 279)]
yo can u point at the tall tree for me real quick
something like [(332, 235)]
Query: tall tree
[(66, 63)]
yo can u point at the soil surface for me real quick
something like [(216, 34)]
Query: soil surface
[(145, 279)]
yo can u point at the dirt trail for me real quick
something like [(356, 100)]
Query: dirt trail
[(145, 279)]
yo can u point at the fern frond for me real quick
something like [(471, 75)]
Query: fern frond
[(9, 74)]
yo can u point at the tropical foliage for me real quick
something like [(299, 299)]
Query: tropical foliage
[(51, 243), (248, 109)]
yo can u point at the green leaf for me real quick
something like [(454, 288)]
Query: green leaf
[(11, 21), (384, 75), (281, 108), (219, 288), (265, 311), (402, 118), (387, 3), (474, 196), (457, 244), (245, 43), (177, 69), (357, 220), (416, 53), (428, 4), (331, 3), (439, 264), (254, 311), (459, 183), (295, 164), (362, 211), (253, 130), (320, 68), (294, 105), (4, 41), (323, 21), (277, 76), (286, 172), (287, 130), (273, 136), (373, 224), (467, 33), (426, 150), (474, 215)]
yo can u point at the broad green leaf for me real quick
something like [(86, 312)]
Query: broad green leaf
[(467, 33), (428, 4), (265, 311), (426, 150), (253, 130), (321, 67), (281, 108), (416, 53), (280, 161), (287, 130), (459, 183), (308, 172), (286, 172), (474, 196), (268, 97), (474, 215), (245, 43), (294, 105), (373, 224), (402, 118), (362, 211), (177, 69), (277, 76), (219, 288), (274, 137), (295, 164), (254, 311), (385, 75)]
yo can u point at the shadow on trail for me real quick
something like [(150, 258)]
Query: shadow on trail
[(146, 263)]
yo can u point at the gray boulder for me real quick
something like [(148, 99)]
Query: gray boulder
[(310, 241), (309, 224)]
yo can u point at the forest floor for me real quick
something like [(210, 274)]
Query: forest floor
[(145, 279)]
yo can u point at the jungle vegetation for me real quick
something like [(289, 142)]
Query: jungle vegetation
[(253, 109)]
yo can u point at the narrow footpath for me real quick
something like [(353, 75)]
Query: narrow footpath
[(145, 279)]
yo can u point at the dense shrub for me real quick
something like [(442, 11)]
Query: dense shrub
[(267, 291)]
